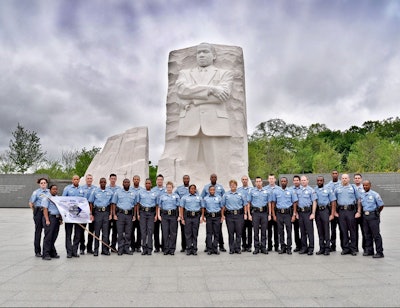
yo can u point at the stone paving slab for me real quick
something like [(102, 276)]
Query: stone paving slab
[(244, 280)]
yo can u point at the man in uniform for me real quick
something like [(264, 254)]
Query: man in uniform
[(35, 203), (326, 198), (100, 206), (282, 200), (305, 211), (124, 200), (257, 211), (136, 238), (372, 206), (296, 227), (219, 191), (52, 220), (359, 221), (73, 190), (247, 232), (160, 190), (348, 202), (333, 184), (113, 216), (181, 191), (272, 224), (88, 188)]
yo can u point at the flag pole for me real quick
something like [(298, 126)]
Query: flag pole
[(92, 234)]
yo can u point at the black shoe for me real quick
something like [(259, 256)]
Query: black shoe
[(333, 248), (264, 251), (248, 249), (106, 253), (194, 253), (113, 248), (209, 253), (120, 253), (149, 253), (269, 248), (231, 252), (222, 248), (289, 252), (47, 258), (157, 250), (128, 252), (183, 250), (75, 255), (302, 252), (206, 250), (137, 250), (38, 255), (56, 256), (188, 252), (320, 252), (256, 251), (96, 253), (296, 249), (69, 256), (238, 252), (344, 252), (327, 253), (82, 252), (90, 251), (378, 255), (244, 249), (366, 254), (310, 253), (165, 253), (216, 252), (353, 253), (144, 253)]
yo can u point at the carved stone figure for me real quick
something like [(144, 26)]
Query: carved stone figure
[(206, 115)]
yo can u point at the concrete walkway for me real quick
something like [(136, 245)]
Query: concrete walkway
[(180, 280)]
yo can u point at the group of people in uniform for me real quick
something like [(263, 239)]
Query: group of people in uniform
[(131, 217)]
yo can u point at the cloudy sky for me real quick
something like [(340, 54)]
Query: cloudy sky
[(78, 72)]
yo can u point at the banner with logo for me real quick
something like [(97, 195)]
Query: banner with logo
[(72, 209)]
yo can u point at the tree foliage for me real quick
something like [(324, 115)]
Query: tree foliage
[(25, 149)]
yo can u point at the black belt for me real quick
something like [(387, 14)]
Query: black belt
[(148, 209), (348, 207), (192, 214), (102, 209), (126, 212), (169, 212), (235, 212), (305, 209), (56, 216), (369, 213), (284, 211), (259, 209), (322, 207), (213, 214)]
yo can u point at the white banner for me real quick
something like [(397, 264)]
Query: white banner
[(73, 209)]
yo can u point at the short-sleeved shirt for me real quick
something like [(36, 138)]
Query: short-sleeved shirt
[(38, 196), (325, 195), (169, 201), (371, 201), (125, 199), (101, 198), (73, 191), (51, 207), (191, 203), (346, 195), (87, 190), (147, 198), (160, 191), (182, 190), (306, 196), (283, 198), (219, 190), (258, 197), (234, 200), (212, 204), (244, 191)]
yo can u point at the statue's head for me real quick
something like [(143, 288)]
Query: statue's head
[(205, 54)]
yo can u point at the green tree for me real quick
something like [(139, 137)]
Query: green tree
[(55, 170), (326, 159), (25, 149), (152, 173), (83, 160), (6, 165)]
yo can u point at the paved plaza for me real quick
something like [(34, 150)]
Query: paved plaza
[(180, 280)]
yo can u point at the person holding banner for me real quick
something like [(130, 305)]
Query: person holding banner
[(73, 190), (35, 203), (99, 202), (124, 201), (51, 222)]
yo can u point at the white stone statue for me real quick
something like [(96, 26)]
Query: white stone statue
[(206, 115), (125, 154)]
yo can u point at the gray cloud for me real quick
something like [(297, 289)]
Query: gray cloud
[(78, 72)]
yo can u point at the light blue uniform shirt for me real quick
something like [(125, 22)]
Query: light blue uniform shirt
[(258, 197), (125, 200), (191, 203), (182, 190), (333, 185), (212, 204), (360, 189), (371, 201), (169, 201), (219, 190), (88, 190), (73, 191), (38, 196), (51, 207), (283, 198), (244, 191), (101, 198), (114, 188), (147, 198), (325, 195), (234, 200), (160, 191), (346, 195), (306, 196)]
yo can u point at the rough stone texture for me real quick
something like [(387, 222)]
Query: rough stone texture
[(231, 159), (124, 154)]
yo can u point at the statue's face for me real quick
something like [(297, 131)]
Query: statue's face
[(205, 57)]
